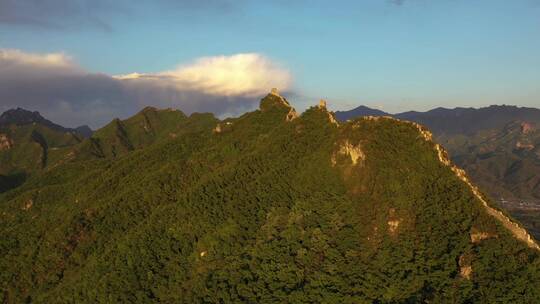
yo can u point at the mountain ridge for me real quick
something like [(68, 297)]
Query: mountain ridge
[(268, 209), (20, 117)]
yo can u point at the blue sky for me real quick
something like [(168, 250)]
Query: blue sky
[(394, 55)]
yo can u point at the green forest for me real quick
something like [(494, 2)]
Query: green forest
[(263, 208)]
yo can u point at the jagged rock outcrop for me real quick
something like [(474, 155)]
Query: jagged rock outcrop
[(353, 151)]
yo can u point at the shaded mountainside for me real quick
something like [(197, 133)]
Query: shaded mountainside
[(30, 144), (22, 117), (32, 147), (270, 207)]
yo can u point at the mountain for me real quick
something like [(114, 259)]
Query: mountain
[(359, 111), (143, 129), (29, 142), (507, 162), (22, 117), (498, 146), (466, 121), (270, 207), (84, 130), (470, 120)]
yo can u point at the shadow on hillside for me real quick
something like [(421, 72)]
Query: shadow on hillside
[(8, 182)]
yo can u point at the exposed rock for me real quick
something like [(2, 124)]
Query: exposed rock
[(292, 115), (465, 268), (332, 118), (353, 151), (6, 143), (524, 146), (29, 203), (222, 127), (393, 222), (478, 236), (393, 226)]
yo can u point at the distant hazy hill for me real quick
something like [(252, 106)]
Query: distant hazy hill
[(468, 121), (455, 121), (358, 112), (22, 117), (269, 207)]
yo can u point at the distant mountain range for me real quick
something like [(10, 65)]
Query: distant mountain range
[(455, 121), (273, 206)]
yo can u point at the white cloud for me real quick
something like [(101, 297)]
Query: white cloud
[(50, 60), (56, 86), (248, 74)]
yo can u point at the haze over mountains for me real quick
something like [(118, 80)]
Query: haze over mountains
[(272, 206), (455, 121)]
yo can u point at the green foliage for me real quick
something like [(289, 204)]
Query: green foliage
[(257, 213)]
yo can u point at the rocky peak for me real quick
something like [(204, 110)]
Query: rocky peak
[(274, 100)]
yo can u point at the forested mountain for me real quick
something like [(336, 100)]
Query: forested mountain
[(269, 207), (497, 145), (30, 143)]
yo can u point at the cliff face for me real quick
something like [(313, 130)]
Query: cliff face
[(262, 208)]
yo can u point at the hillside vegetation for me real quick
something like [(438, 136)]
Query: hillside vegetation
[(269, 207), (499, 146)]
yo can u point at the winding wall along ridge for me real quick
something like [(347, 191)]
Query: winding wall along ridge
[(519, 232)]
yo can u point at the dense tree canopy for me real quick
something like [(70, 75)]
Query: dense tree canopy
[(260, 209)]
